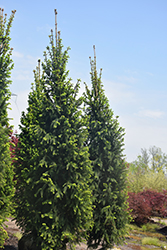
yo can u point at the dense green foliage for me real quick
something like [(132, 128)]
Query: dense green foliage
[(53, 170), (105, 142), (6, 169)]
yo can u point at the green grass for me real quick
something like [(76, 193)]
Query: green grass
[(151, 241), (154, 242), (133, 227), (149, 227)]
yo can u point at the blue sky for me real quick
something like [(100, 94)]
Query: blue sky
[(131, 47)]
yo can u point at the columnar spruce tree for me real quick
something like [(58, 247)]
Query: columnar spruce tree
[(6, 169), (105, 143), (53, 172)]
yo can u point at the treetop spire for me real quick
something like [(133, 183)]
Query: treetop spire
[(94, 49), (2, 11), (56, 26), (39, 68)]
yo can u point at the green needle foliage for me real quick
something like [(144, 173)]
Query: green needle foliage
[(53, 195), (105, 143), (6, 169)]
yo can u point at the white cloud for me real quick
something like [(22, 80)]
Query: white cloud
[(141, 133), (150, 74), (32, 60), (131, 72), (128, 79), (151, 113), (144, 128), (17, 54), (18, 105), (44, 29), (23, 71), (22, 75), (119, 92), (23, 60)]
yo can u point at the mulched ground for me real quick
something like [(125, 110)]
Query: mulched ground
[(12, 242)]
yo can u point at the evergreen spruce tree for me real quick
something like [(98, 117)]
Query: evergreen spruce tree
[(6, 169), (53, 196), (105, 143)]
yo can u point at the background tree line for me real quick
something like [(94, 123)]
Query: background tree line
[(148, 171)]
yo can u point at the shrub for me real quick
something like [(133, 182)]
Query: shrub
[(14, 141), (158, 202), (139, 207), (146, 204)]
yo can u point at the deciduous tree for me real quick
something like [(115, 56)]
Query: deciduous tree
[(148, 171)]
